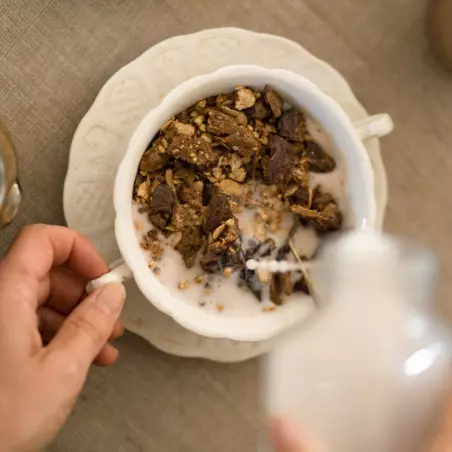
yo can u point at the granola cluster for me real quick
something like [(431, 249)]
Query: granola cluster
[(239, 150)]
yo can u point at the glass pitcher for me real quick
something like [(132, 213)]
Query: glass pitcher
[(370, 370), (10, 192)]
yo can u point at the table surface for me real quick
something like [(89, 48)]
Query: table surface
[(54, 57)]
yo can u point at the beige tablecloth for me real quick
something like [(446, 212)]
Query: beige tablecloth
[(54, 57)]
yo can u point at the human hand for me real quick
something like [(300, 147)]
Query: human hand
[(286, 435), (49, 334)]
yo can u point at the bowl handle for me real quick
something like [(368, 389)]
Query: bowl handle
[(119, 274), (375, 126)]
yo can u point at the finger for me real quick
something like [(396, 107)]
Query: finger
[(86, 330), (288, 436), (38, 248), (107, 356), (443, 439), (61, 290), (50, 322), (64, 291)]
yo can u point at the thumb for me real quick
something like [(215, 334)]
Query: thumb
[(87, 329), (288, 436)]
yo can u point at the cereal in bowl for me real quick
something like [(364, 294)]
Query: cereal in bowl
[(234, 177)]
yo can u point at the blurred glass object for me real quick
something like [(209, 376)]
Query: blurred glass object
[(370, 370), (439, 30), (10, 192)]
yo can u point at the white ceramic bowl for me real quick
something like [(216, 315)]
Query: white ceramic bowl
[(299, 92)]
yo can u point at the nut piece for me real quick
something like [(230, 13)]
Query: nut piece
[(227, 272), (292, 125), (281, 163), (274, 100), (198, 120), (183, 285), (143, 190), (245, 99), (231, 188), (199, 279), (184, 129)]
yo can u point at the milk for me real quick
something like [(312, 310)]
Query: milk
[(223, 296)]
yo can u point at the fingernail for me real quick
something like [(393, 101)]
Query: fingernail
[(110, 298)]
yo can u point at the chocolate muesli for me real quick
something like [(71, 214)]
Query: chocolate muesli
[(231, 178)]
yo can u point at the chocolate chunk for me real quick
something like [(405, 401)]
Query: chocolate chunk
[(274, 100), (280, 166), (221, 123), (300, 285), (214, 262), (318, 160), (235, 258), (243, 142), (276, 289), (184, 117), (283, 252), (258, 111), (192, 149), (292, 125), (302, 197), (321, 199), (218, 211), (257, 250), (286, 283), (211, 262), (209, 191), (162, 199), (327, 220), (159, 220), (211, 101), (153, 160), (189, 245), (186, 175), (249, 279)]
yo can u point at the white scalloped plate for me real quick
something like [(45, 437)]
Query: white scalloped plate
[(101, 138)]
